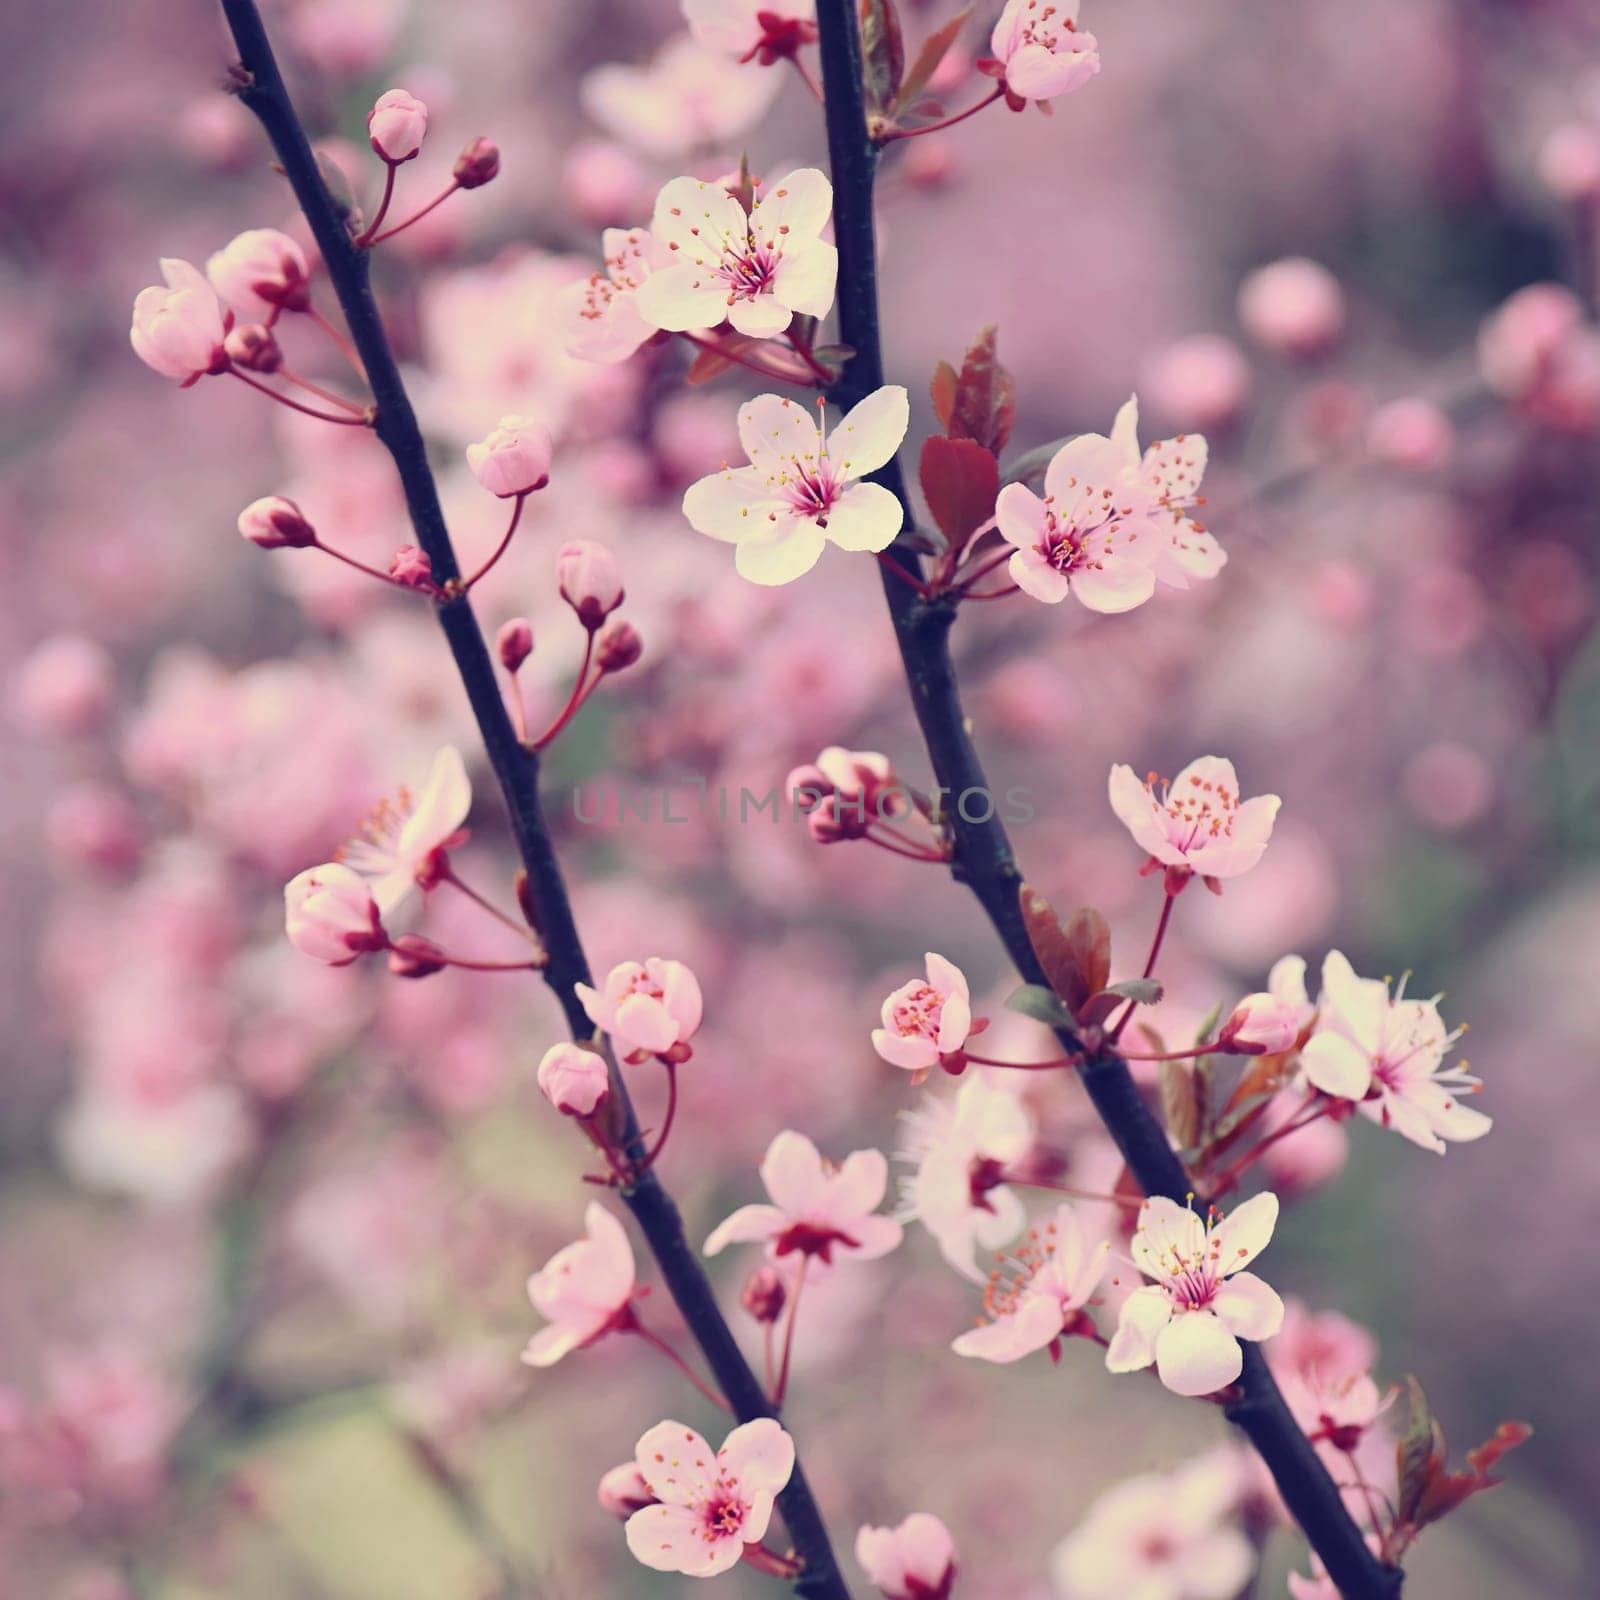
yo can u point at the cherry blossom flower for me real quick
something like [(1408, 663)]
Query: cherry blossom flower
[(1387, 1053), (747, 30), (622, 1491), (710, 1506), (688, 98), (817, 1209), (261, 271), (178, 331), (513, 458), (1112, 523), (590, 579), (755, 271), (1035, 1297), (844, 791), (914, 1561), (961, 1151), (1159, 1536), (330, 915), (1040, 52), (924, 1020), (573, 1080), (585, 1290), (651, 1008), (274, 523), (396, 125), (601, 314), (1198, 821), (1202, 1303), (398, 850), (1261, 1024), (802, 488)]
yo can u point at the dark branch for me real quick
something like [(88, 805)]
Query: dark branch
[(516, 768), (983, 856)]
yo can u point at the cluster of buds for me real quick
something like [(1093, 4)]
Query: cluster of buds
[(843, 792)]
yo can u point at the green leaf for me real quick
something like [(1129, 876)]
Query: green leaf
[(883, 51), (1099, 1006), (1416, 1453), (1043, 1005)]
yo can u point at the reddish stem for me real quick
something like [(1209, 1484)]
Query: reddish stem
[(806, 78), (580, 693), (345, 348), (1133, 1202), (294, 405), (896, 845), (649, 1158), (984, 568), (1150, 964), (782, 1387), (521, 931), (1021, 1066), (888, 561), (947, 122), (656, 1342), (416, 216), (361, 566), (1311, 1111), (499, 549), (322, 394), (372, 227)]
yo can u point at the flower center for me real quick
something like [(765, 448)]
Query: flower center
[(812, 1239), (748, 272), (1200, 811), (374, 848), (917, 1015), (813, 491), (721, 1515), (1014, 1279)]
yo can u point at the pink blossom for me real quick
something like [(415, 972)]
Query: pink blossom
[(1387, 1053), (1204, 377), (817, 1208), (330, 915), (1111, 523), (1038, 45), (650, 1009), (396, 125), (755, 270), (179, 330), (961, 1151), (590, 579), (398, 850), (1198, 821), (1294, 306), (914, 1561), (843, 791), (513, 643), (513, 459), (1411, 433), (1260, 1025), (746, 30), (1539, 350), (273, 523), (617, 646), (573, 1080), (711, 1506), (1569, 162), (622, 1491), (478, 163), (261, 271), (601, 314), (923, 1021), (1190, 1320), (1037, 1296), (584, 1291), (1160, 1536), (802, 488), (64, 686)]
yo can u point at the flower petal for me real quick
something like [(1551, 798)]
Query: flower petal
[(782, 557), (866, 517), (1196, 1354), (1145, 1314), (871, 432), (1336, 1066), (760, 1455), (676, 1462), (1249, 1307), (748, 1225), (1245, 1232)]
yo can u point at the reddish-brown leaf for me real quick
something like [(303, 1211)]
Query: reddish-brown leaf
[(986, 396), (933, 51), (942, 391), (883, 51), (960, 479), (1075, 955)]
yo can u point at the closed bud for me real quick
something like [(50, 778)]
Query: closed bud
[(273, 523), (477, 164), (396, 125), (617, 647), (330, 915), (573, 1080), (252, 346), (412, 956), (513, 459), (623, 1491), (590, 580), (763, 1295), (411, 568), (260, 271), (514, 643)]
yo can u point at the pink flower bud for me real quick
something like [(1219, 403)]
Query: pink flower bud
[(96, 827), (604, 183), (808, 786), (1294, 307), (411, 568), (573, 1080), (825, 825), (330, 915), (764, 1295), (590, 579), (1412, 433), (477, 164), (396, 125), (513, 459), (412, 956), (1261, 1025), (623, 1491), (178, 331), (253, 347), (1569, 162), (261, 271), (514, 643), (617, 647), (1203, 379), (64, 687), (915, 1561), (273, 523)]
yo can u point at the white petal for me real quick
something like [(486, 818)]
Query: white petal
[(760, 1455), (783, 558), (792, 209), (1245, 1232), (1195, 1354), (777, 433), (806, 279), (1336, 1066), (748, 1225), (1249, 1307), (676, 1462), (794, 1175), (733, 504), (867, 517), (764, 317), (1145, 1314), (871, 432)]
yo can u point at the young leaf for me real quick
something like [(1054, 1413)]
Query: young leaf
[(883, 51), (1099, 1006), (1418, 1453), (1036, 1001), (1075, 954), (942, 391), (986, 396), (933, 51), (960, 480), (1180, 1107)]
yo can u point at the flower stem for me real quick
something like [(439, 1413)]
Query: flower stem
[(390, 168), (666, 1121), (656, 1342), (521, 930), (501, 548), (582, 687), (1131, 1201), (294, 405), (416, 216), (782, 1386), (1162, 923), (784, 374), (891, 134)]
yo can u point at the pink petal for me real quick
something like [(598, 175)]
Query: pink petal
[(1196, 1354), (871, 432), (676, 1462)]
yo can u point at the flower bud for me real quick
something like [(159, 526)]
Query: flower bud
[(1260, 1025), (824, 823), (262, 270), (1411, 433), (623, 1491), (1294, 307), (573, 1080), (252, 346), (514, 643), (617, 647), (412, 956), (411, 568), (590, 579), (330, 915), (273, 523), (92, 826), (763, 1295), (396, 126), (477, 164), (513, 459), (178, 331)]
